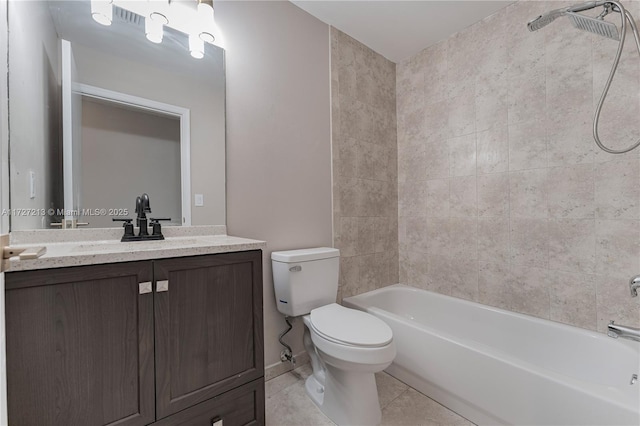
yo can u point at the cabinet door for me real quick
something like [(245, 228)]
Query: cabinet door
[(208, 327), (80, 346)]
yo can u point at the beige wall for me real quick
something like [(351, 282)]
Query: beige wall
[(34, 84), (130, 152), (205, 100), (503, 196), (278, 136), (365, 197)]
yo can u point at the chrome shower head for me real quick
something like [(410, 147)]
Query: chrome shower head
[(547, 18), (594, 25)]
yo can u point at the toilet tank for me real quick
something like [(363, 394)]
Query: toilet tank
[(305, 279)]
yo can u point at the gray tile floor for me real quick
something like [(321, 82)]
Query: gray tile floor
[(288, 404)]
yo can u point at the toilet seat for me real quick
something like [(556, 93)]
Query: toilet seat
[(350, 327)]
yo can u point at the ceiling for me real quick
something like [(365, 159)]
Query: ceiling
[(399, 29)]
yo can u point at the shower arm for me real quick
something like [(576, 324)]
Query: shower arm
[(587, 6), (624, 16)]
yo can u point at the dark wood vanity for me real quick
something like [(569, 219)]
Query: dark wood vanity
[(175, 341)]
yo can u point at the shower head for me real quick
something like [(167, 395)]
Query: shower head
[(579, 21), (594, 25)]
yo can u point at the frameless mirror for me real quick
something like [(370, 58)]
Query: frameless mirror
[(100, 115)]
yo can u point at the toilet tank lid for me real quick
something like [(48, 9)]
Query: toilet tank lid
[(305, 255)]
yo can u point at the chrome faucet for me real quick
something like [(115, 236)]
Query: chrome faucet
[(626, 332), (634, 284)]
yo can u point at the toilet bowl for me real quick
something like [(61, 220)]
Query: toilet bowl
[(346, 346)]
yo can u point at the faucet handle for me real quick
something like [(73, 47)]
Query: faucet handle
[(126, 220), (155, 226), (158, 219), (128, 226)]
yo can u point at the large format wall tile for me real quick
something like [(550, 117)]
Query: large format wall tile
[(573, 299), (572, 245), (493, 150), (463, 200), (367, 148), (617, 193), (501, 181), (493, 239), (493, 195), (571, 192), (527, 145), (528, 193)]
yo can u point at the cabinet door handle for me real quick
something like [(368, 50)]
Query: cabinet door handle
[(216, 421), (162, 286), (144, 287)]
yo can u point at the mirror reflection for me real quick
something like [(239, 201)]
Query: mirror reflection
[(99, 115)]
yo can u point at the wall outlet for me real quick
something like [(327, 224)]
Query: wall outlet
[(199, 200)]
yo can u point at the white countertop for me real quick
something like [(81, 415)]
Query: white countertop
[(90, 252)]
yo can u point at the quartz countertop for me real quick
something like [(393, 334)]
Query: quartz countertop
[(85, 251)]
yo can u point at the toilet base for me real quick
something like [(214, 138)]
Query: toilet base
[(315, 390), (347, 398)]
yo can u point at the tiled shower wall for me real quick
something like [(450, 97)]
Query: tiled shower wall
[(365, 197), (503, 196)]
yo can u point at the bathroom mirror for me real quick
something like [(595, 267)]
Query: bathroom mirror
[(100, 115)]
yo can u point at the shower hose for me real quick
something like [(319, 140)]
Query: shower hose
[(625, 16)]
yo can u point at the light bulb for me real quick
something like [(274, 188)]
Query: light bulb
[(153, 29), (205, 9), (196, 46), (159, 17), (206, 20), (207, 36), (102, 11), (160, 7)]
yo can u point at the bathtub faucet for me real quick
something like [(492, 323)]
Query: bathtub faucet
[(615, 331)]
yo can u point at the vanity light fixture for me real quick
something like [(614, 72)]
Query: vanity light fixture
[(102, 11), (196, 46), (193, 18)]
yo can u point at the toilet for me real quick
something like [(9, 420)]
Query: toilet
[(346, 346)]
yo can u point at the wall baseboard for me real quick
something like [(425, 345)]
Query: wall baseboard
[(279, 368)]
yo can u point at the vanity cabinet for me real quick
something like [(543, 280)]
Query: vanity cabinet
[(171, 341)]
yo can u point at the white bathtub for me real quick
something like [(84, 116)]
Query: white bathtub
[(498, 367)]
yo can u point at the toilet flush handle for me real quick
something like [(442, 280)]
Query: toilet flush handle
[(296, 268)]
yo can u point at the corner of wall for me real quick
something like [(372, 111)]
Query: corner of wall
[(364, 158)]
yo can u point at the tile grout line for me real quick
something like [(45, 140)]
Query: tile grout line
[(399, 395)]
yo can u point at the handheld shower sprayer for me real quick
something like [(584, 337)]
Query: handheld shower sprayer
[(603, 28), (544, 20)]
